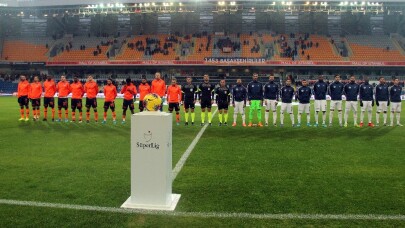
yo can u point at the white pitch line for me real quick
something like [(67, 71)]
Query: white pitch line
[(375, 217), (187, 153)]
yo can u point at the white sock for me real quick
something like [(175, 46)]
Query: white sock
[(317, 117), (266, 116), (385, 117), (235, 116), (377, 117), (243, 118), (361, 116), (323, 117), (331, 116), (299, 118), (346, 115), (274, 117), (369, 116), (355, 117), (282, 117), (392, 118), (293, 120), (308, 118), (340, 117), (398, 117)]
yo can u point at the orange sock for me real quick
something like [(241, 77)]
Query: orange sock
[(60, 114), (22, 112), (96, 116), (73, 116), (123, 117), (53, 113), (45, 113), (87, 115), (28, 113), (114, 115), (105, 115), (66, 114), (177, 117), (80, 116)]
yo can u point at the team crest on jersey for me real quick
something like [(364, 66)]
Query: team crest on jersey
[(350, 87), (191, 90), (319, 85), (334, 87)]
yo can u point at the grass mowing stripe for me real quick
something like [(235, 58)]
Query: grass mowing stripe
[(374, 217), (187, 153)]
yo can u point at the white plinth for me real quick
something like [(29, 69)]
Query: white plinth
[(151, 162)]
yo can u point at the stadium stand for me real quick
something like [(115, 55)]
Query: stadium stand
[(30, 49), (373, 48)]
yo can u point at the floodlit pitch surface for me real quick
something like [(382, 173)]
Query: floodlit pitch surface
[(234, 176)]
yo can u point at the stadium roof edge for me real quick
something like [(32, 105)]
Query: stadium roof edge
[(41, 3)]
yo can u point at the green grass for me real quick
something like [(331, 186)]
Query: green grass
[(252, 170)]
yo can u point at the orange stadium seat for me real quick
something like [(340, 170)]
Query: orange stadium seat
[(368, 53), (23, 51)]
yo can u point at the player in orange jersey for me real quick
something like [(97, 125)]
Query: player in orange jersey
[(174, 98), (110, 93), (35, 97), (91, 90), (50, 90), (159, 87), (63, 89), (22, 94), (144, 88), (76, 101), (129, 91)]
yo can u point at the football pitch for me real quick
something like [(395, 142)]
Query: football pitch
[(70, 174)]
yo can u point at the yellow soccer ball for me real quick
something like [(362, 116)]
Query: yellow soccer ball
[(152, 102)]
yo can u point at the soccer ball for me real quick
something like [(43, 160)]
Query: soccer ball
[(152, 102)]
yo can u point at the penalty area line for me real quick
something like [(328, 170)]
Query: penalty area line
[(190, 148), (375, 217)]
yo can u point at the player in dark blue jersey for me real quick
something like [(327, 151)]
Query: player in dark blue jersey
[(320, 90), (335, 92), (304, 96), (366, 93), (239, 94), (395, 98), (382, 100), (351, 91), (271, 94), (287, 94)]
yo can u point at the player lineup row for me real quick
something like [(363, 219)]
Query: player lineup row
[(255, 93)]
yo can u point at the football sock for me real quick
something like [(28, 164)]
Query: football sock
[(317, 117), (209, 117), (340, 117), (369, 116), (250, 115), (60, 114), (27, 112), (385, 117), (73, 116), (202, 117), (274, 117), (53, 113), (220, 117), (266, 116), (361, 116), (96, 115), (259, 115), (22, 112), (45, 113), (299, 118), (323, 117), (66, 114), (355, 117), (192, 117), (282, 117), (105, 116), (308, 118), (331, 116), (235, 116), (114, 115), (186, 116), (292, 118), (177, 117), (226, 117), (87, 115), (398, 117)]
